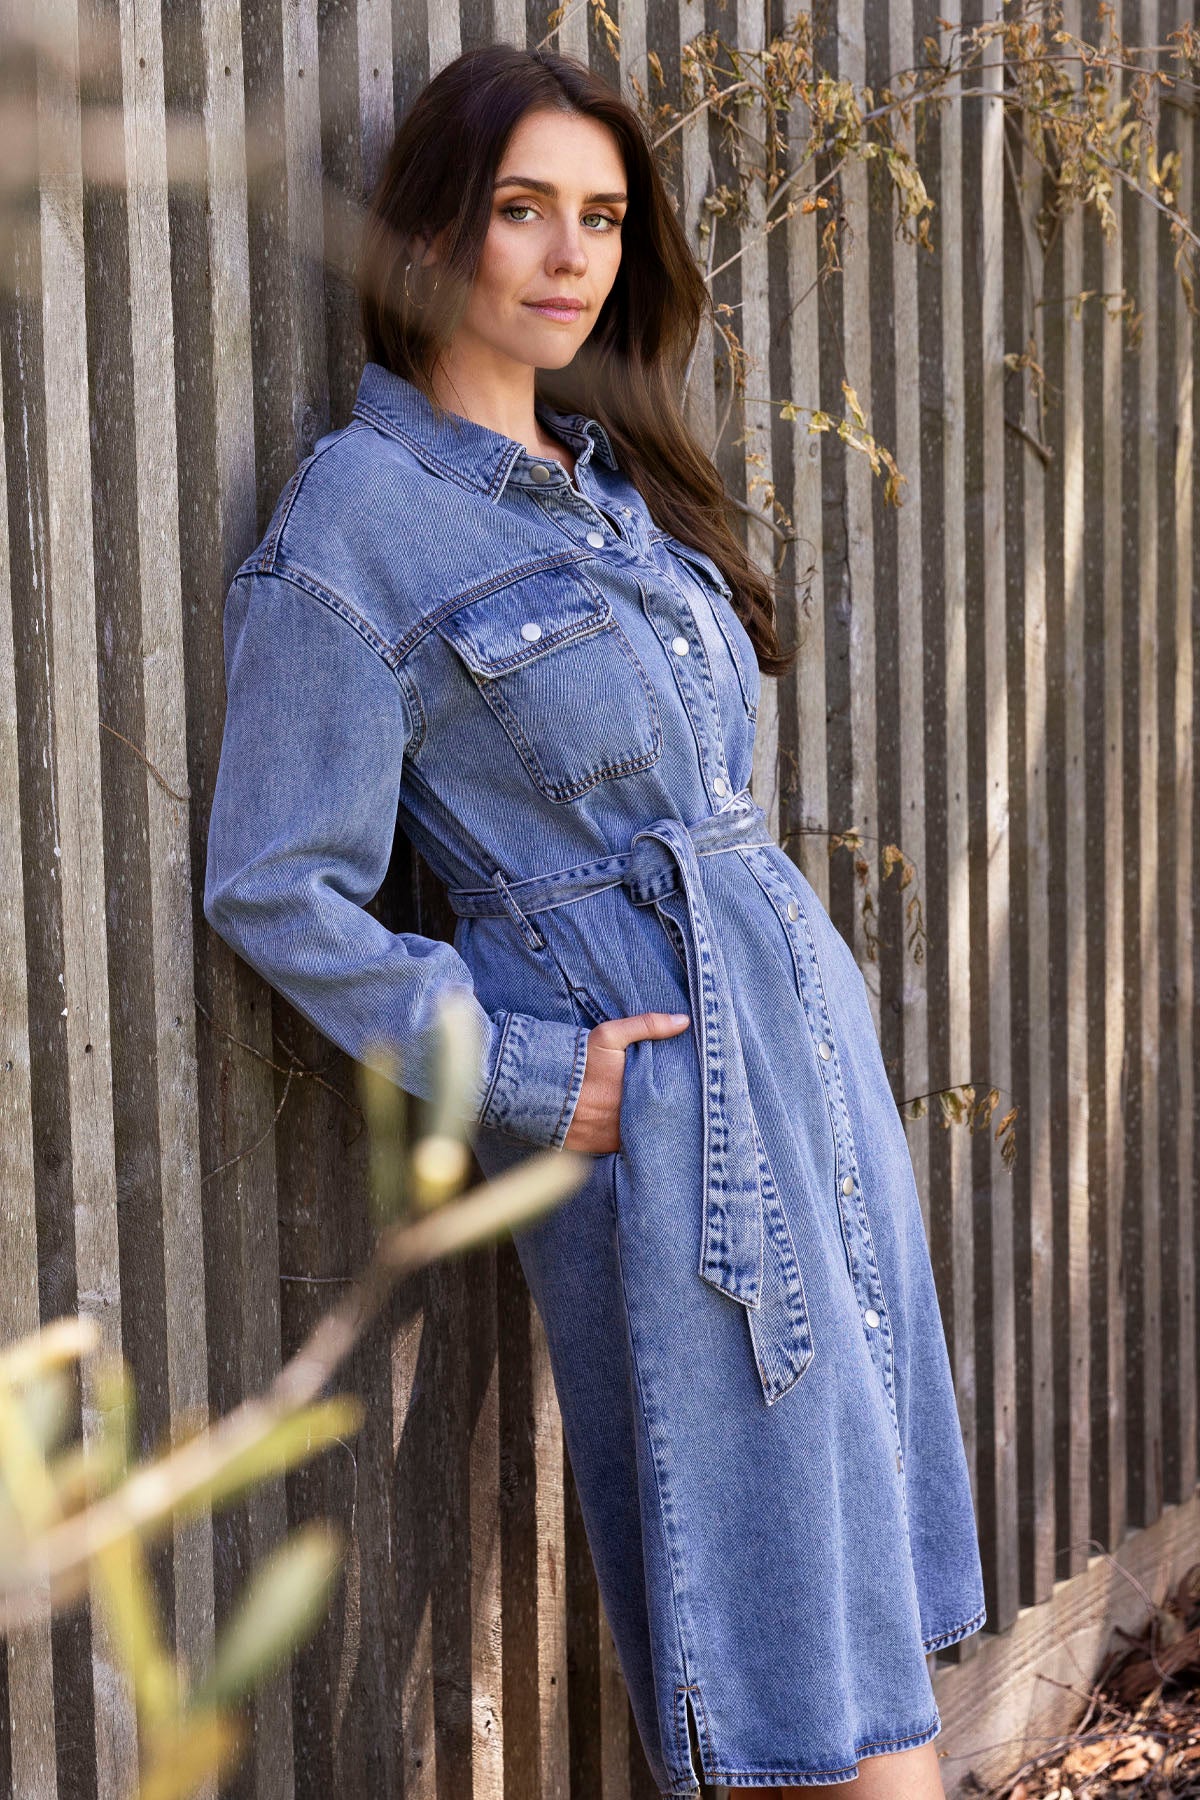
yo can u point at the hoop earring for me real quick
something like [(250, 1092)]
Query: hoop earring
[(408, 296)]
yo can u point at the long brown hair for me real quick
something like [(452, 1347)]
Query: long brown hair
[(628, 373)]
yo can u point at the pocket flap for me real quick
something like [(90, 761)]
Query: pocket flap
[(517, 624)]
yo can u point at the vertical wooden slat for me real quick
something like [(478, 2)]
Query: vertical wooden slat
[(861, 795), (955, 907), (30, 1673), (79, 842), (912, 988), (804, 722), (1033, 1186), (700, 394), (987, 921), (754, 328), (1173, 1263), (1184, 475), (534, 1551), (168, 861), (484, 1469), (1110, 1514), (1072, 1424), (1146, 1469)]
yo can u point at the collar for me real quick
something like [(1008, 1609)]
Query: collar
[(472, 455)]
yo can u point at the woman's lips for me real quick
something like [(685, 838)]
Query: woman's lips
[(567, 315)]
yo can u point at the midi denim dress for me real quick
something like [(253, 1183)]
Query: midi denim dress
[(555, 700)]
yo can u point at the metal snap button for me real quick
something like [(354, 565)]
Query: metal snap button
[(679, 645), (596, 539), (540, 472), (532, 631), (847, 1184), (871, 1316), (824, 1051), (793, 911), (719, 786)]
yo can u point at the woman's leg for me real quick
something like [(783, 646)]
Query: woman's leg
[(904, 1775)]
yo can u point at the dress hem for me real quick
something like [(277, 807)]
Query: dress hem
[(938, 1640), (809, 1777)]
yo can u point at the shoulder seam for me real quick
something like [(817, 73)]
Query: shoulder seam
[(355, 621), (271, 545)]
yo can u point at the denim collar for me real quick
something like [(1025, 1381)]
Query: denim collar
[(458, 448)]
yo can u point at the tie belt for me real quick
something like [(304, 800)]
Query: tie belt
[(746, 1247)]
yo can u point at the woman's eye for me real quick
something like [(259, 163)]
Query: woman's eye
[(523, 206)]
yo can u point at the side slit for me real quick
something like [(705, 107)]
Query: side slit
[(695, 1759)]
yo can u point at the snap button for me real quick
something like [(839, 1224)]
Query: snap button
[(596, 539), (824, 1051), (679, 645), (540, 472), (847, 1184), (719, 786), (793, 911), (532, 631), (871, 1316)]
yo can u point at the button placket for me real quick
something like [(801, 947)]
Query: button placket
[(693, 678)]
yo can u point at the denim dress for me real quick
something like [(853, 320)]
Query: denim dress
[(555, 700)]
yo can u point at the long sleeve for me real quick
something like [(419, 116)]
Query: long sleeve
[(300, 835)]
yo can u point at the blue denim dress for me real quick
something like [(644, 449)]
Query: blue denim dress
[(556, 701)]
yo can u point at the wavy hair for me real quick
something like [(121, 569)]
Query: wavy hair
[(628, 373)]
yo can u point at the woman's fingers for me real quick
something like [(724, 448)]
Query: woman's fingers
[(615, 1034)]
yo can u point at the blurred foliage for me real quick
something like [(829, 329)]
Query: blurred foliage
[(77, 1517)]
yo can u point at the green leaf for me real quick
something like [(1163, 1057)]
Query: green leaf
[(283, 1603), (181, 1762), (284, 1445)]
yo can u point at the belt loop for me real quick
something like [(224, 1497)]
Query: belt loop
[(526, 927)]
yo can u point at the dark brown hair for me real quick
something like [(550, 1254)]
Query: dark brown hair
[(628, 373)]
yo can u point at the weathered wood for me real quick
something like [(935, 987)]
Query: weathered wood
[(29, 1701), (1109, 1483), (77, 845), (998, 676), (1033, 1681)]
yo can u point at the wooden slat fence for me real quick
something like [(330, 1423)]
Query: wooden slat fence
[(996, 676)]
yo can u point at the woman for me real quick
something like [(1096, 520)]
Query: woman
[(504, 604)]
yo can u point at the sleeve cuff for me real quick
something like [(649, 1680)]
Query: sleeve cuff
[(538, 1075)]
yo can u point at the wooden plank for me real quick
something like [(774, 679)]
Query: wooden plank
[(1142, 578), (859, 571), (1185, 675), (1029, 1683), (1033, 1175), (168, 860), (805, 787), (1073, 1316), (215, 426), (939, 340), (487, 1633), (533, 1550), (79, 844), (1109, 1481), (700, 388), (955, 903), (754, 329), (986, 921), (1174, 1268), (29, 1664), (912, 981)]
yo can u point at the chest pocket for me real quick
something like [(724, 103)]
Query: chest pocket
[(720, 598), (555, 667)]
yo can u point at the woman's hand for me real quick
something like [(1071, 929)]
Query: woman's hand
[(596, 1123)]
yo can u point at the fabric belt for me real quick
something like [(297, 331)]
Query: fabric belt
[(746, 1249)]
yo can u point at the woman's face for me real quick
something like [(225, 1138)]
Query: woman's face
[(554, 235)]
